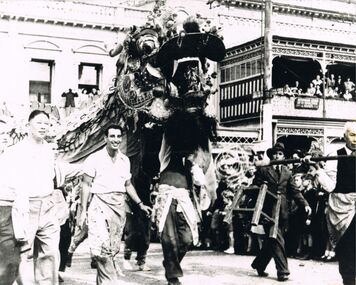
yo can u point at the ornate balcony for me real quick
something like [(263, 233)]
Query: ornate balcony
[(313, 107)]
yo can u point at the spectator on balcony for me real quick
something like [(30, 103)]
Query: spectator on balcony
[(297, 90), (84, 99), (347, 95), (318, 92), (331, 93), (311, 89), (69, 101), (339, 84), (287, 91), (94, 94), (349, 86), (337, 92), (317, 81), (331, 81)]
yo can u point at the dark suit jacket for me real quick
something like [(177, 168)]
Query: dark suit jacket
[(269, 176)]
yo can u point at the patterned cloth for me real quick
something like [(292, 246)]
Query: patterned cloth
[(340, 213), (106, 220), (163, 202)]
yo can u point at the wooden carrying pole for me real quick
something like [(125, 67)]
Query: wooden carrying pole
[(301, 160)]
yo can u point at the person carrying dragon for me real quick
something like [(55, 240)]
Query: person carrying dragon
[(186, 170)]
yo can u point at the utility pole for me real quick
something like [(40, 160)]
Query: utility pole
[(268, 45), (267, 75), (324, 71)]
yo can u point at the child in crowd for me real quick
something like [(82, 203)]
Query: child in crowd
[(295, 223), (223, 230), (309, 193)]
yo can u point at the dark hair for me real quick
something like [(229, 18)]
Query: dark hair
[(115, 127), (35, 113)]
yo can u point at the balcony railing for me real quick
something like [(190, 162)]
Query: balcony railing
[(298, 106), (240, 108), (313, 107)]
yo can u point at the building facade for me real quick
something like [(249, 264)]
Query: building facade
[(48, 47), (304, 39)]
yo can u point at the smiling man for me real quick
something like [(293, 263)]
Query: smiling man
[(108, 179)]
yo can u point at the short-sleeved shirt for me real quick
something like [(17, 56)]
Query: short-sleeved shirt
[(34, 167), (7, 180), (109, 176)]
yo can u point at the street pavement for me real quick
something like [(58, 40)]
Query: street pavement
[(201, 267), (205, 267)]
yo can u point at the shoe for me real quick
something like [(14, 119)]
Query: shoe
[(282, 278), (69, 259), (230, 250), (60, 279), (93, 264), (260, 272), (143, 267), (127, 265), (174, 281), (304, 257), (330, 258)]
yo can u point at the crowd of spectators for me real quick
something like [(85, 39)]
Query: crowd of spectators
[(79, 100), (335, 88), (307, 235)]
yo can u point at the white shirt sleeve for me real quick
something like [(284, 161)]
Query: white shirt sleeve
[(89, 166), (327, 177)]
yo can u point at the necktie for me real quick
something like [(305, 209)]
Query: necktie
[(278, 171)]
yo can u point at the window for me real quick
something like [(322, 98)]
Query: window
[(222, 77), (238, 71), (228, 73), (259, 66), (248, 69), (233, 72), (89, 76), (243, 70), (254, 67), (40, 80)]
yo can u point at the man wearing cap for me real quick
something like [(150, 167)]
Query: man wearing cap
[(339, 179), (278, 180)]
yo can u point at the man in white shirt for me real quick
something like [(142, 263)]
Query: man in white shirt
[(34, 161), (339, 179), (108, 178)]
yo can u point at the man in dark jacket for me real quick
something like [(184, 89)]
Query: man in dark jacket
[(70, 102), (278, 180)]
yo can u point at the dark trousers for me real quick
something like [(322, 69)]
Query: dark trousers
[(272, 248), (294, 233), (9, 251), (346, 251), (176, 239), (137, 235), (64, 243)]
